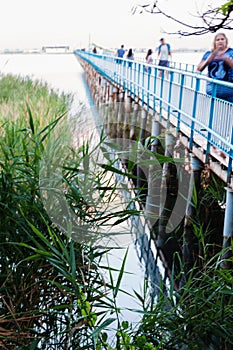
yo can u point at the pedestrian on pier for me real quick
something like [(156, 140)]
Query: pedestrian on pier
[(149, 60), (130, 56), (219, 62), (120, 53), (164, 51)]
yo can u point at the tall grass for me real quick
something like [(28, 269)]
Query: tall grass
[(46, 279), (49, 283)]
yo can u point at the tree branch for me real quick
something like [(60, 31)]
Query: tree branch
[(212, 20)]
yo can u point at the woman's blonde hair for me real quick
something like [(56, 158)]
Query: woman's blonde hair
[(215, 37)]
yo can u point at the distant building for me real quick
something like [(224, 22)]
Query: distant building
[(55, 49)]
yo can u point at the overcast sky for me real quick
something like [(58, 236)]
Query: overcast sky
[(109, 23)]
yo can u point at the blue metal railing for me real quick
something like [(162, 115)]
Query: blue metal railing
[(177, 95)]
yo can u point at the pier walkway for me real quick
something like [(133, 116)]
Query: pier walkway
[(176, 99)]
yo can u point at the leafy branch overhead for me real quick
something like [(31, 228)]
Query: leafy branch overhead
[(212, 19)]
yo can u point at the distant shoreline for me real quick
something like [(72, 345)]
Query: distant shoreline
[(38, 51)]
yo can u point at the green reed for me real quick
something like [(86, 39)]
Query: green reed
[(50, 284)]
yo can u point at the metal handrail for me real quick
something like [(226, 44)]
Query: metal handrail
[(177, 95)]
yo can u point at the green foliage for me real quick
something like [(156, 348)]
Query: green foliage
[(226, 8), (49, 284), (195, 317), (45, 280)]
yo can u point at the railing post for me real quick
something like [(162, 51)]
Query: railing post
[(130, 77), (161, 95), (148, 89), (192, 79), (180, 102), (194, 112), (229, 167), (155, 81), (143, 86), (210, 124), (140, 67), (135, 64), (124, 74), (169, 97)]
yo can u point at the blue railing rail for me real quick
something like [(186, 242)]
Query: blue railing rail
[(189, 67), (178, 96)]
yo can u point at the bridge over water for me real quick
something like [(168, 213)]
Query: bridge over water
[(176, 101)]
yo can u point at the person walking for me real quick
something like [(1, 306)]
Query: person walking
[(219, 62), (149, 60), (130, 56), (164, 51), (120, 53)]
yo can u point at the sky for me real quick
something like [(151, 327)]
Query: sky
[(30, 24)]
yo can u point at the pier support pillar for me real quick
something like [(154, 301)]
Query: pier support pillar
[(228, 230), (168, 192), (120, 115), (155, 132), (103, 90), (128, 104), (110, 96), (154, 177), (189, 240), (141, 175), (144, 116), (113, 113), (128, 109), (133, 126)]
